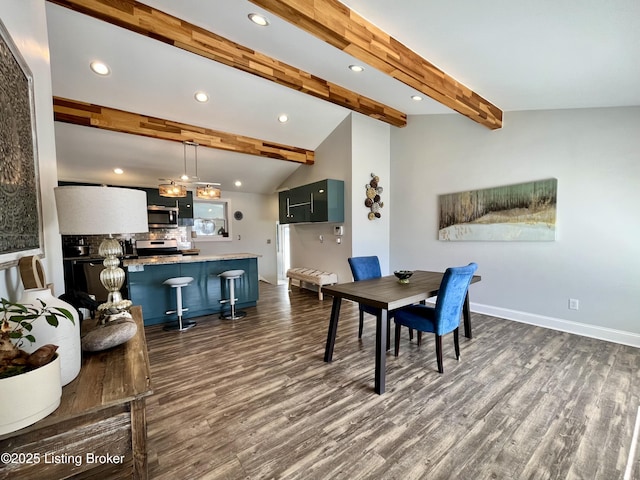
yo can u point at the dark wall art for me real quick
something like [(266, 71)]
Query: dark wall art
[(20, 217)]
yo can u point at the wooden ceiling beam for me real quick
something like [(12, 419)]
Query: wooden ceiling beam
[(336, 24), (90, 115), (148, 21)]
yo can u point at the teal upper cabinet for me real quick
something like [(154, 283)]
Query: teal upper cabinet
[(321, 201)]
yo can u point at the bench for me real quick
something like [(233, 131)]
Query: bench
[(311, 276)]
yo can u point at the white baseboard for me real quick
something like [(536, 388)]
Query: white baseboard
[(593, 331)]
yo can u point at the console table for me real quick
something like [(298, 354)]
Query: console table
[(99, 430)]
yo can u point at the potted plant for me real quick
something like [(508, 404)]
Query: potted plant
[(30, 382)]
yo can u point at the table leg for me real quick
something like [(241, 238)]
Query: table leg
[(381, 351), (466, 312), (333, 329)]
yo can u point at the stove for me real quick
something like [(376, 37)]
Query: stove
[(152, 248)]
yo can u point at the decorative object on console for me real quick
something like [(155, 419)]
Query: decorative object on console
[(20, 211), (66, 336), (373, 202), (118, 330), (30, 383), (90, 210)]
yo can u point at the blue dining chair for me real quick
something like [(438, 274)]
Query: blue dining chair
[(442, 319), (366, 268)]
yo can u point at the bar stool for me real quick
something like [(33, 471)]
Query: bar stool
[(230, 276), (178, 283)]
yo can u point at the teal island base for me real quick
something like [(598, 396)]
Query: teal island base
[(201, 297)]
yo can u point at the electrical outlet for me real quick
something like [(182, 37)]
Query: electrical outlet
[(574, 304)]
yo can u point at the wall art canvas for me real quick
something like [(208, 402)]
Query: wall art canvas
[(523, 212), (20, 217)]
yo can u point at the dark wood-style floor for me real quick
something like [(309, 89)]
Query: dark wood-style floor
[(253, 399)]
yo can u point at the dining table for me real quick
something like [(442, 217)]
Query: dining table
[(387, 293)]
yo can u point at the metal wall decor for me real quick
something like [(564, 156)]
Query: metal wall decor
[(20, 213), (373, 201)]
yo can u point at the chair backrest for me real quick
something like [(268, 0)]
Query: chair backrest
[(451, 295), (364, 268)]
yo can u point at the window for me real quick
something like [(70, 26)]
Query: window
[(211, 219)]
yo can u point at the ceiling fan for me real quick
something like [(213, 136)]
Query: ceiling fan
[(175, 189)]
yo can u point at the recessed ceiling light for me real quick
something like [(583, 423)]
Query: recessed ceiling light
[(416, 98), (356, 68), (100, 68), (238, 183), (201, 97), (258, 19), (283, 118), (118, 171)]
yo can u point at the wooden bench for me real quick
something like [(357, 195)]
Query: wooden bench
[(309, 275)]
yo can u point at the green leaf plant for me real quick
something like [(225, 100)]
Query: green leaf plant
[(15, 329)]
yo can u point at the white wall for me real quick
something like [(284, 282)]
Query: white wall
[(255, 233), (332, 160), (594, 155), (370, 154), (358, 147), (26, 22)]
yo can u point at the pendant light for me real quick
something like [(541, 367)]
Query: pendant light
[(209, 192), (172, 190)]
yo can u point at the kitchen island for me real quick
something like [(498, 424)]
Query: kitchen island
[(202, 297)]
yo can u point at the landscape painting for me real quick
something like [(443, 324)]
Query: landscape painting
[(523, 212)]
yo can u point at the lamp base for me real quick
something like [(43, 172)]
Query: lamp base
[(112, 277)]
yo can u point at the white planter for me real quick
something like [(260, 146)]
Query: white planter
[(66, 335), (29, 397)]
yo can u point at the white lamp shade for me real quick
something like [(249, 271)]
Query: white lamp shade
[(91, 210)]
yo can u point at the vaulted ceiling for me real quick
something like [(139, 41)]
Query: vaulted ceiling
[(475, 58)]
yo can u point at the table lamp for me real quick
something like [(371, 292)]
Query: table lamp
[(96, 210)]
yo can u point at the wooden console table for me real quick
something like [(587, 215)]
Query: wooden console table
[(99, 430)]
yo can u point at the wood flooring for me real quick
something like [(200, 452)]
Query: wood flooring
[(253, 399)]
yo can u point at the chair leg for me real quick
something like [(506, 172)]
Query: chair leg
[(410, 334), (419, 337), (456, 344), (439, 353), (397, 339), (361, 323)]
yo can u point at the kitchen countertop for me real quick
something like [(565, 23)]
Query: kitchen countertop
[(168, 259)]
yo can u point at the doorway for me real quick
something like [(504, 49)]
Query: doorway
[(283, 254)]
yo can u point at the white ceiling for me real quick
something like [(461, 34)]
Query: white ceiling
[(518, 55)]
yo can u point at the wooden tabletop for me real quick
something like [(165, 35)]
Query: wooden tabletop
[(388, 293)]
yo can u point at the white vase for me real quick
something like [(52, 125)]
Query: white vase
[(66, 335), (30, 396)]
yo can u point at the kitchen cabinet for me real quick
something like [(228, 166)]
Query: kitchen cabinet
[(321, 201), (185, 205), (201, 297)]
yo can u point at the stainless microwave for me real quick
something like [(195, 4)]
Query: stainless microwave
[(162, 217)]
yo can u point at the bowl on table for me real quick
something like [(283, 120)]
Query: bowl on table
[(403, 275)]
